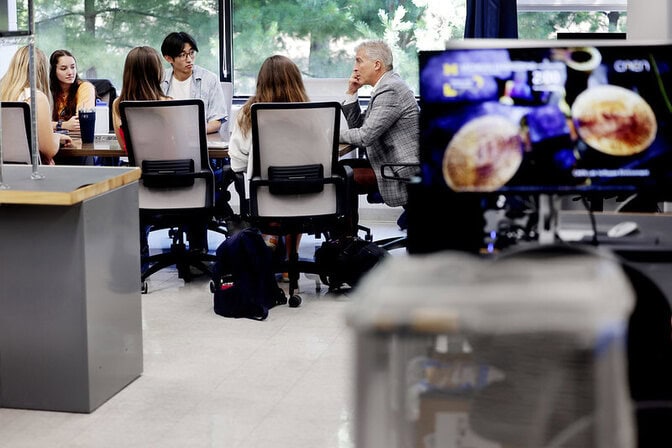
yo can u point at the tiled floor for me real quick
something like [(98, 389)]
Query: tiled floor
[(210, 381)]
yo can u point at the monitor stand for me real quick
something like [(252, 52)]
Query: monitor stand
[(548, 218)]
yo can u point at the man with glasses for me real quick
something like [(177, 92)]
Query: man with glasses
[(186, 80)]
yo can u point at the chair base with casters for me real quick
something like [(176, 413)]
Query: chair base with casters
[(179, 253), (294, 265)]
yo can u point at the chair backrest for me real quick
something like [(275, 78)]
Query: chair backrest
[(167, 139), (16, 132), (105, 90), (294, 159)]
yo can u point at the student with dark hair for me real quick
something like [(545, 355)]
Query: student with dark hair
[(69, 92), (141, 81), (186, 80), (142, 76)]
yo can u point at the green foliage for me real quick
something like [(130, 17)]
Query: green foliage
[(319, 35), (545, 25), (101, 32)]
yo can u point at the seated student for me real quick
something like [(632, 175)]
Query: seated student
[(143, 72), (15, 86), (279, 80), (70, 93), (183, 80), (141, 81), (186, 80)]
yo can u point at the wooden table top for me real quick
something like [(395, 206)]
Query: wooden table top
[(61, 184), (107, 146)]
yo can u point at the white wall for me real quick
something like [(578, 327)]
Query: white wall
[(649, 19)]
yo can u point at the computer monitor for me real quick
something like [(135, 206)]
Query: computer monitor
[(547, 117), (585, 36)]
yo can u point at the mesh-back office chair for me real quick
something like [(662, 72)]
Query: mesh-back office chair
[(16, 132), (167, 139), (297, 185)]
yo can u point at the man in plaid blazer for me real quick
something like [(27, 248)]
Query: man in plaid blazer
[(388, 129)]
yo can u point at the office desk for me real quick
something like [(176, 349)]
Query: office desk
[(70, 309), (649, 249), (102, 146), (107, 146)]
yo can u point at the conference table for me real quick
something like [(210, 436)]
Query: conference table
[(106, 145)]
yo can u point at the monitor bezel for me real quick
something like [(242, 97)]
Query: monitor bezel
[(484, 44)]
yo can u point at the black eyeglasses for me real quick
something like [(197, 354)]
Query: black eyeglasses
[(184, 55)]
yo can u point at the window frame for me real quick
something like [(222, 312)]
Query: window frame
[(572, 5), (226, 40)]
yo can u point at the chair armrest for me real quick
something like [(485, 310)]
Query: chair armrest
[(239, 185), (349, 196), (390, 171)]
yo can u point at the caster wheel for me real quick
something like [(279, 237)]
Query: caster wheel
[(144, 288), (294, 301)]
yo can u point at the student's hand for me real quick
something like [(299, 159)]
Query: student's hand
[(65, 141), (354, 83), (72, 124)]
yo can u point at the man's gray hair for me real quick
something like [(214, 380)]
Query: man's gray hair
[(377, 50)]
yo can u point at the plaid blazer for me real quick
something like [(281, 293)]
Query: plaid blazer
[(389, 132)]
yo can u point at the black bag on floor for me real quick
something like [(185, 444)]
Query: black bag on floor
[(344, 261), (245, 284)]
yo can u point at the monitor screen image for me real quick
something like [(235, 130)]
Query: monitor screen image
[(551, 117)]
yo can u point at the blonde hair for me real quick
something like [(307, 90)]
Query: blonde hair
[(17, 78), (279, 81)]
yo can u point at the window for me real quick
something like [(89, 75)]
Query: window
[(100, 33), (319, 35)]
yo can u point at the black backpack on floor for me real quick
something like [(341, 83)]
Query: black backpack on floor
[(244, 282), (344, 261)]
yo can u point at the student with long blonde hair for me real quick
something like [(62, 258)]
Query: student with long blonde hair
[(15, 86)]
